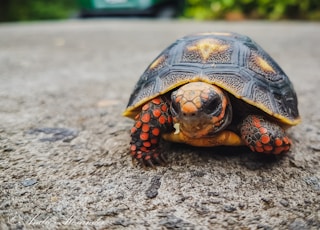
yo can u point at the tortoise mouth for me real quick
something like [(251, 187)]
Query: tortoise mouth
[(202, 125), (196, 130)]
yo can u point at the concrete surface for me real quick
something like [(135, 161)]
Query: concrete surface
[(64, 144)]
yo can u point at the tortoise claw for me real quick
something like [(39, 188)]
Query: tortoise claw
[(160, 160), (150, 159), (164, 160), (150, 163)]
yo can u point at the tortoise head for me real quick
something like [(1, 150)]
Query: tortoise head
[(200, 109)]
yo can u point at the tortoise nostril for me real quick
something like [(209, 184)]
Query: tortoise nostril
[(189, 114)]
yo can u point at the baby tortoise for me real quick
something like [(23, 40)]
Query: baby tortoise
[(212, 89)]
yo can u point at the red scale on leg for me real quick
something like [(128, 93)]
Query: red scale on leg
[(144, 136), (263, 130), (133, 129), (278, 142), (265, 139), (145, 128), (268, 148), (138, 124), (164, 108), (145, 107), (155, 131), (162, 119), (157, 101), (145, 118), (286, 140), (258, 149), (133, 148), (156, 113), (258, 144), (256, 122), (147, 144)]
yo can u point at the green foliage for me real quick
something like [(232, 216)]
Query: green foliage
[(256, 9), (18, 10)]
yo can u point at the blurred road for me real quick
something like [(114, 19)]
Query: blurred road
[(64, 144)]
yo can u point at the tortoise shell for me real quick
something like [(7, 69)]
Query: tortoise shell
[(231, 61)]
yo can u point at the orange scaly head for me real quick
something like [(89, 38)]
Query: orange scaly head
[(200, 109)]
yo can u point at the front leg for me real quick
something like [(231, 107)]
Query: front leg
[(153, 120), (264, 136)]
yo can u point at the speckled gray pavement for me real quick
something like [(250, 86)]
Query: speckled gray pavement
[(64, 144)]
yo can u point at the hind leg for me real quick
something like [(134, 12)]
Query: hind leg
[(262, 135)]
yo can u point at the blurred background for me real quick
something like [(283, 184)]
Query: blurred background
[(23, 10)]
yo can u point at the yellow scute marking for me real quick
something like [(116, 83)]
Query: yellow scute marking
[(157, 62), (207, 47), (215, 33), (264, 65)]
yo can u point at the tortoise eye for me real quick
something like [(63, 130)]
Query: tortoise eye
[(213, 107)]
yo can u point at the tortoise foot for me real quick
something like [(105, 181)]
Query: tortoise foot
[(264, 136)]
